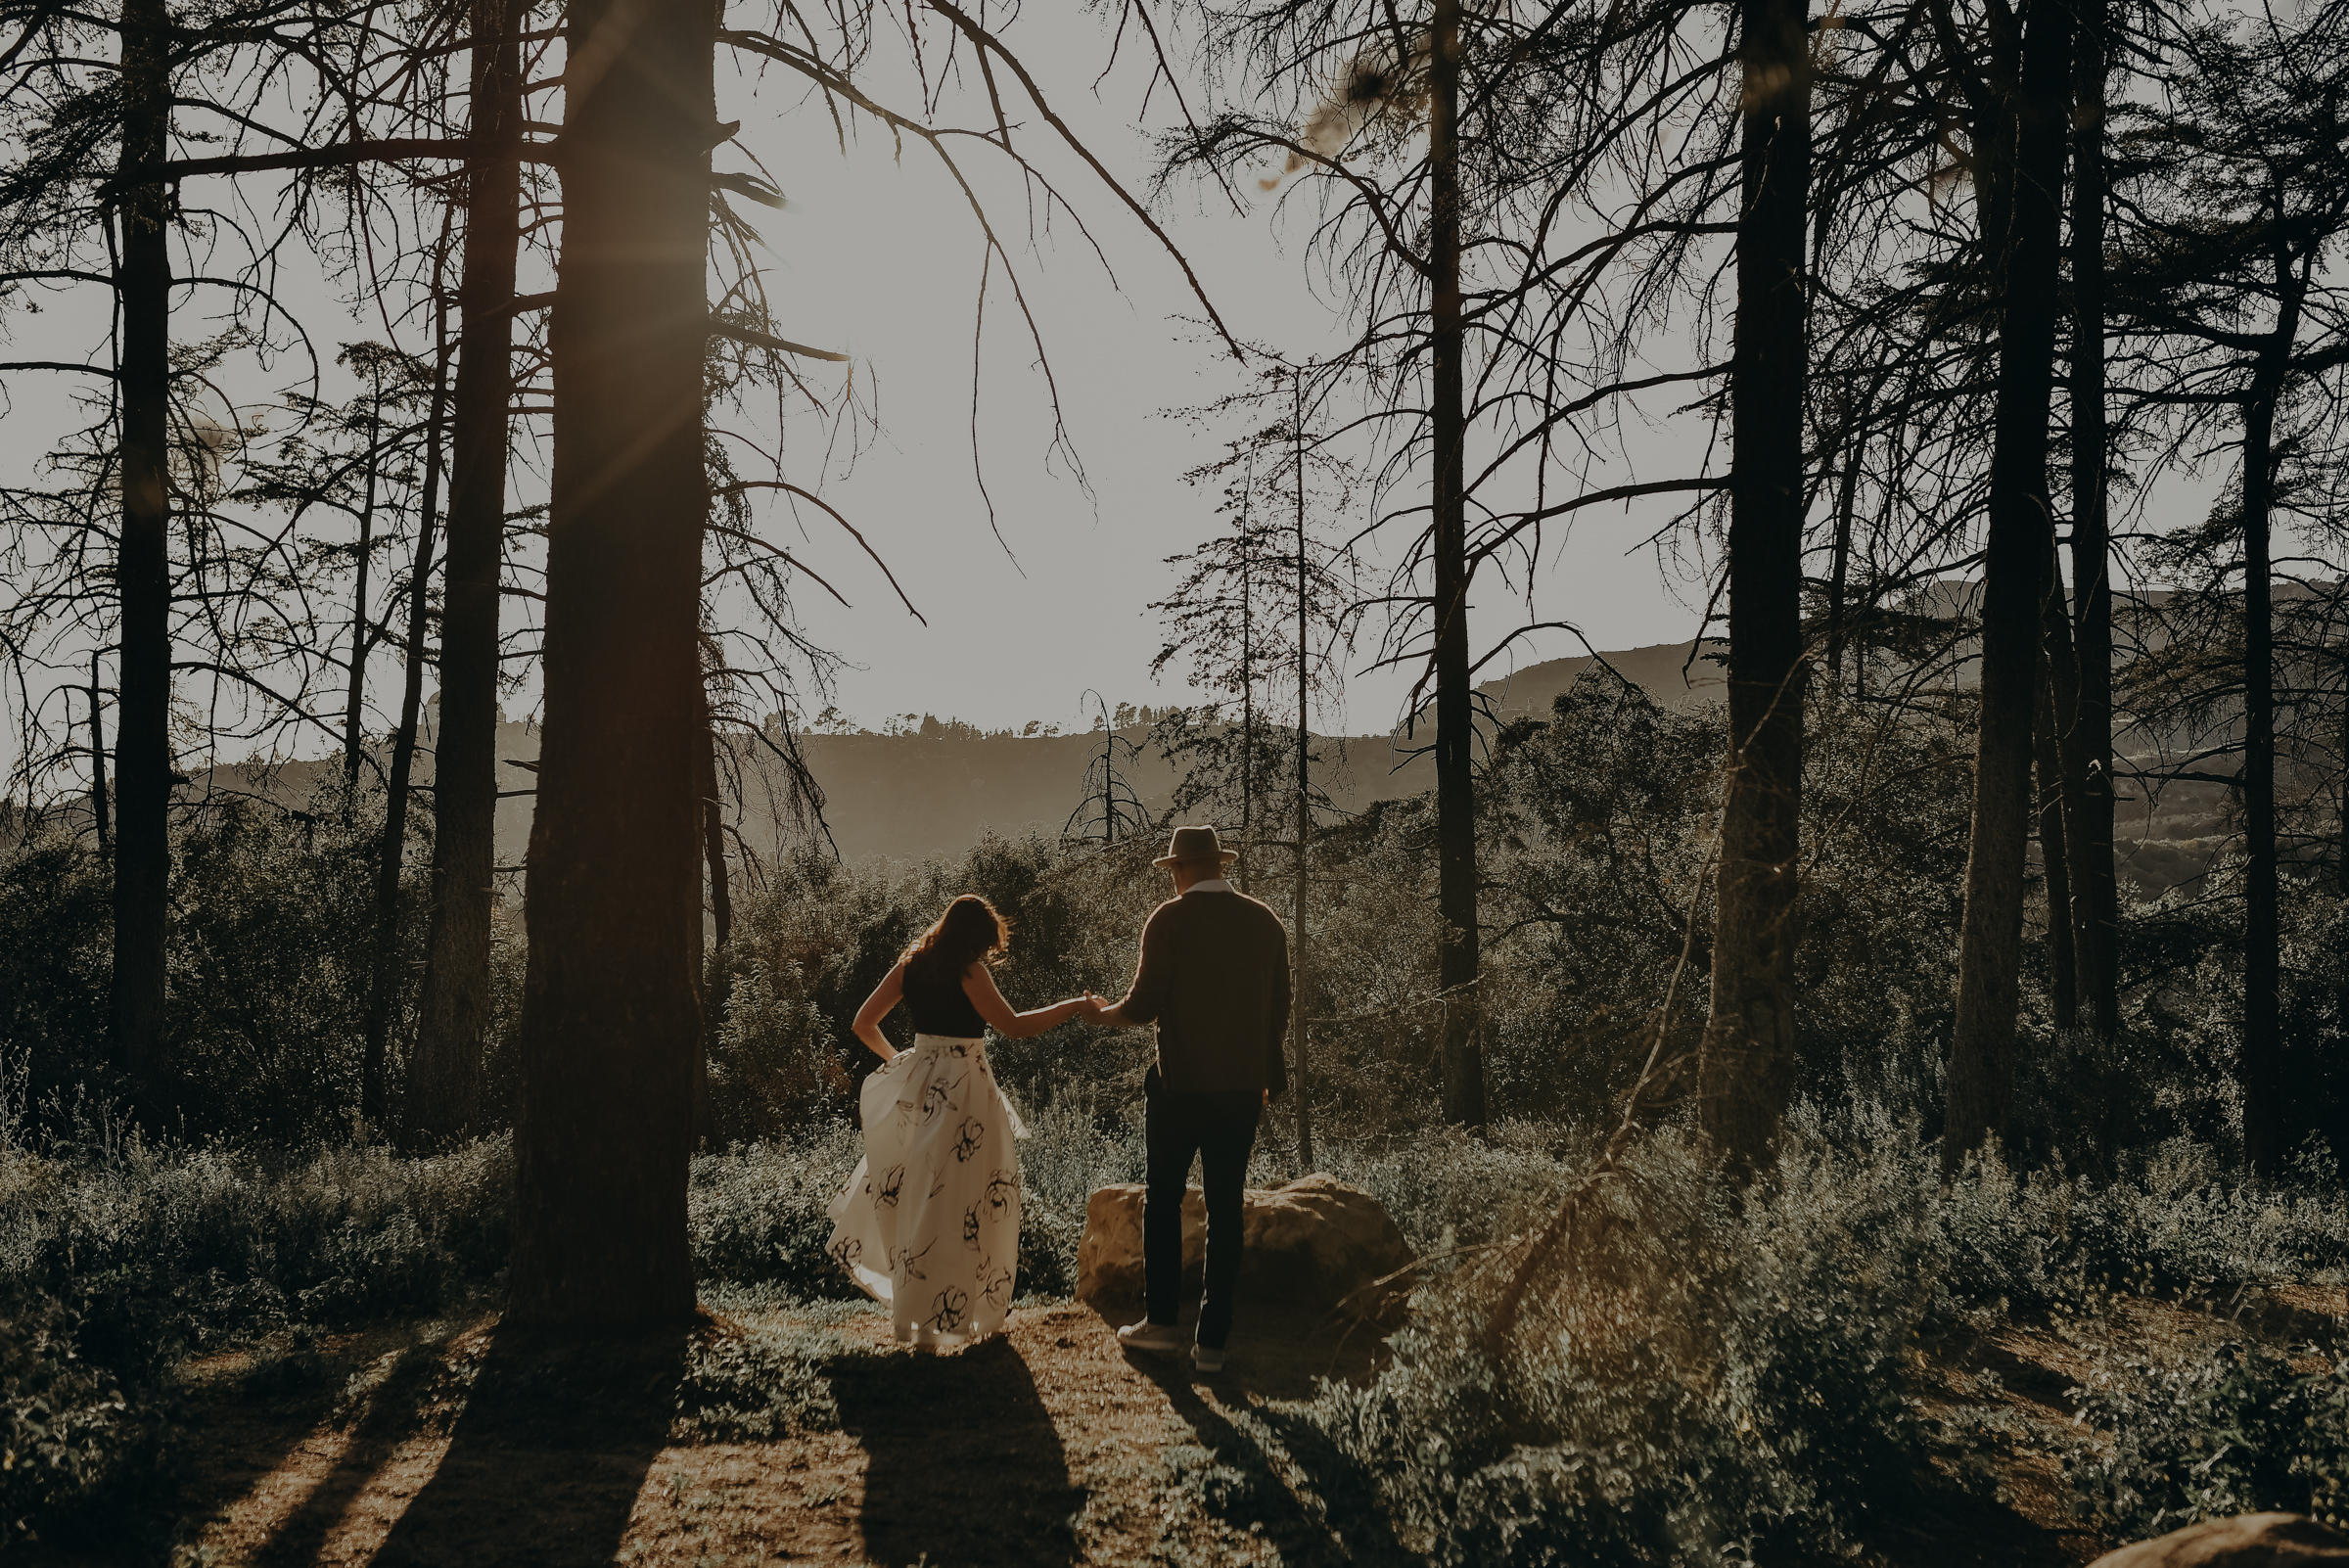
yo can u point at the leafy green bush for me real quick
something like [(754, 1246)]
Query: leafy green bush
[(69, 1437), (1693, 1377), (2232, 1429), (757, 1211), (227, 1242), (2172, 1221)]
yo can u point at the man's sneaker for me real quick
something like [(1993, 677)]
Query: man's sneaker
[(1207, 1360), (1160, 1339)]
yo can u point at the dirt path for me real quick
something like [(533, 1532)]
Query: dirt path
[(789, 1437), (803, 1434)]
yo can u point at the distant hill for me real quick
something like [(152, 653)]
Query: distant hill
[(1676, 674), (915, 795)]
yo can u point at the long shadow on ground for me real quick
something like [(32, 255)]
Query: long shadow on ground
[(1268, 1472), (962, 1462), (544, 1465)]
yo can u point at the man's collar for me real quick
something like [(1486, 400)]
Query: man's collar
[(1210, 885)]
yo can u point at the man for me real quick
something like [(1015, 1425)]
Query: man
[(1214, 977)]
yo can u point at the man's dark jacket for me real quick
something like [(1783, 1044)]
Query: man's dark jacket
[(1214, 978)]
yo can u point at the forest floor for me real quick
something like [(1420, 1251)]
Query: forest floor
[(805, 1435)]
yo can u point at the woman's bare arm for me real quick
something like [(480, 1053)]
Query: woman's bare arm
[(886, 996), (979, 983)]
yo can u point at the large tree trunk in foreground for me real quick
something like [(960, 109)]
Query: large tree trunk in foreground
[(444, 1074), (143, 771), (1981, 1078), (1748, 1063), (1457, 960), (2096, 886), (611, 1016)]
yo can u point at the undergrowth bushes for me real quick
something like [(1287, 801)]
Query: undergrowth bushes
[(2234, 1428), (1701, 1376), (1696, 1373)]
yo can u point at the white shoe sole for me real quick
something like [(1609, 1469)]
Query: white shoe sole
[(1150, 1345)]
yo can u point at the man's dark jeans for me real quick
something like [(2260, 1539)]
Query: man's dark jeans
[(1219, 1130)]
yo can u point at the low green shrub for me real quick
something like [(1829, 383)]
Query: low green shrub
[(2208, 1435), (227, 1242), (71, 1439), (1696, 1377)]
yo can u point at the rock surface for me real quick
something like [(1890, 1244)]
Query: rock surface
[(1316, 1242), (2247, 1540)]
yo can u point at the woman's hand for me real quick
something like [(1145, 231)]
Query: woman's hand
[(885, 996)]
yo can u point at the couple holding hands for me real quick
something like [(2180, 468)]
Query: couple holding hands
[(930, 1222)]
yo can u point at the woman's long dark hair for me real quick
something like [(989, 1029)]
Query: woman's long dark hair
[(968, 932)]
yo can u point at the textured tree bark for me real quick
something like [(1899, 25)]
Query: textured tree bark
[(2014, 568), (1305, 813), (2261, 1067), (2063, 770), (383, 986), (143, 770), (444, 1072), (1747, 1070), (2054, 859), (1457, 961), (2096, 884), (611, 1023)]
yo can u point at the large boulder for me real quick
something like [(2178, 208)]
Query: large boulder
[(1316, 1242), (2246, 1541)]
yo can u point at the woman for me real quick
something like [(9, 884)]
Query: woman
[(930, 1222)]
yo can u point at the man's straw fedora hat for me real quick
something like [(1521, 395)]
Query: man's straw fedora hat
[(1196, 843)]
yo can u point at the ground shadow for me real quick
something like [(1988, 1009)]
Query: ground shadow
[(963, 1464), (387, 1419), (548, 1459), (1269, 1474), (1279, 1350)]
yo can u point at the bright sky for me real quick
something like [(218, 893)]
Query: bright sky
[(878, 255)]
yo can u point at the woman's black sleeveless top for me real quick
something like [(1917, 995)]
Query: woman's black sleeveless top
[(941, 1008)]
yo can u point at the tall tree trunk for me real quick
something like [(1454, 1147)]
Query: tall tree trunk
[(383, 986), (1981, 1078), (2063, 779), (2054, 858), (1747, 1068), (2262, 1064), (1458, 961), (444, 1076), (2261, 1067), (611, 1019), (2096, 884), (1304, 807), (143, 771)]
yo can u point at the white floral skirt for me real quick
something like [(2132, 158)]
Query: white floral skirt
[(930, 1222)]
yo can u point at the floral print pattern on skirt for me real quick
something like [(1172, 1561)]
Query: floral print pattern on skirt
[(930, 1222)]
